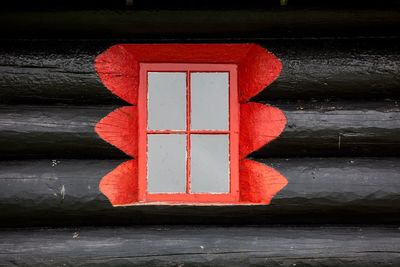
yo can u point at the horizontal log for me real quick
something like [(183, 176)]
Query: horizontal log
[(194, 5), (313, 129), (202, 246), (64, 132), (337, 129), (320, 190), (302, 22), (48, 72)]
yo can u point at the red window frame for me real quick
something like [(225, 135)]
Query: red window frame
[(233, 132)]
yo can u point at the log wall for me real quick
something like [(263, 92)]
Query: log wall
[(339, 89)]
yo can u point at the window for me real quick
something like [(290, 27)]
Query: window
[(188, 133), (182, 125)]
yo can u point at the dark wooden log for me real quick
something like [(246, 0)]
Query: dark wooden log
[(336, 69), (331, 190), (47, 132), (202, 246), (300, 22), (49, 72), (313, 129), (337, 129), (195, 5)]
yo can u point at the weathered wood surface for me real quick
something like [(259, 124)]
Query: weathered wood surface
[(48, 72), (63, 192), (337, 129), (311, 22), (313, 129), (63, 132), (202, 246)]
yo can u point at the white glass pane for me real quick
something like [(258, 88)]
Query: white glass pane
[(210, 100), (209, 163), (166, 163), (166, 101)]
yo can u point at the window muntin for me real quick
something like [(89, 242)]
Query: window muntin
[(210, 133)]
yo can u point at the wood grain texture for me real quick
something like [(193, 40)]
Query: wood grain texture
[(29, 132), (339, 93), (120, 186), (320, 190), (119, 66), (313, 129), (337, 129), (62, 72), (202, 246), (120, 129), (259, 125), (258, 182)]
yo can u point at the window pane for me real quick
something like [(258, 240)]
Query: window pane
[(166, 165), (209, 100), (209, 163), (166, 101)]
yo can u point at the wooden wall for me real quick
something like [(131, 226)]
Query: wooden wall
[(340, 91)]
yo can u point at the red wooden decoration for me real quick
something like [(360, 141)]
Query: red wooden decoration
[(259, 183), (259, 125), (118, 66), (119, 128), (120, 185), (119, 70)]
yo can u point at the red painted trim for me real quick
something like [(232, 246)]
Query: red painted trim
[(234, 115), (188, 197), (188, 132), (142, 118), (119, 128), (259, 125), (120, 185), (258, 69), (118, 66), (259, 183), (191, 198), (119, 69)]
